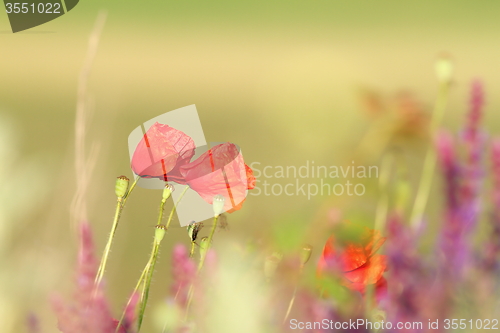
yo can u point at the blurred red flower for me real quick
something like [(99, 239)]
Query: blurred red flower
[(161, 152), (220, 171), (356, 261)]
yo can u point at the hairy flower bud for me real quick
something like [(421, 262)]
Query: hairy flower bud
[(271, 264), (444, 69), (305, 254), (218, 204), (203, 247), (160, 233), (167, 191), (121, 187)]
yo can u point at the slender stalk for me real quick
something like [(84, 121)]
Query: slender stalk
[(164, 330), (120, 204), (191, 251), (159, 233), (147, 284), (107, 248), (210, 237), (130, 190), (290, 305), (383, 202), (137, 286), (201, 263), (430, 158), (174, 208), (160, 215), (190, 298), (305, 255), (294, 295)]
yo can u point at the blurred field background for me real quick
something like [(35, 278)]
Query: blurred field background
[(283, 80)]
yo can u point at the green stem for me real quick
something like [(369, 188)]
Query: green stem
[(290, 305), (120, 204), (130, 189), (191, 252), (201, 263), (107, 248), (149, 277), (154, 257), (383, 202), (292, 300), (160, 216), (430, 159), (209, 243), (137, 286), (175, 208)]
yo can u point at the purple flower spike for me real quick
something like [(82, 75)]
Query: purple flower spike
[(452, 243), (451, 170), (474, 142), (492, 247), (33, 323), (184, 271), (89, 311), (476, 112), (411, 282), (463, 185), (495, 161)]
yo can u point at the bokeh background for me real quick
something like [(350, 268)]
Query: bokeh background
[(288, 81)]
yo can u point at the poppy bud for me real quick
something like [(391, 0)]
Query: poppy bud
[(167, 191), (203, 247), (160, 233), (271, 264), (444, 69), (218, 204), (121, 187), (305, 254)]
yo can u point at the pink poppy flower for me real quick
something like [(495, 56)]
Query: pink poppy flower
[(161, 152), (220, 171)]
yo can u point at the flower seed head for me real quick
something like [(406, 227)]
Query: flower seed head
[(444, 69), (121, 187), (160, 233), (203, 246), (305, 254), (271, 264), (167, 191), (218, 204)]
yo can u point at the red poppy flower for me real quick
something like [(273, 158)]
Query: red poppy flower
[(357, 262), (220, 171), (161, 152)]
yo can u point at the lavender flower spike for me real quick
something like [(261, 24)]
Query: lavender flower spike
[(493, 245), (89, 311)]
